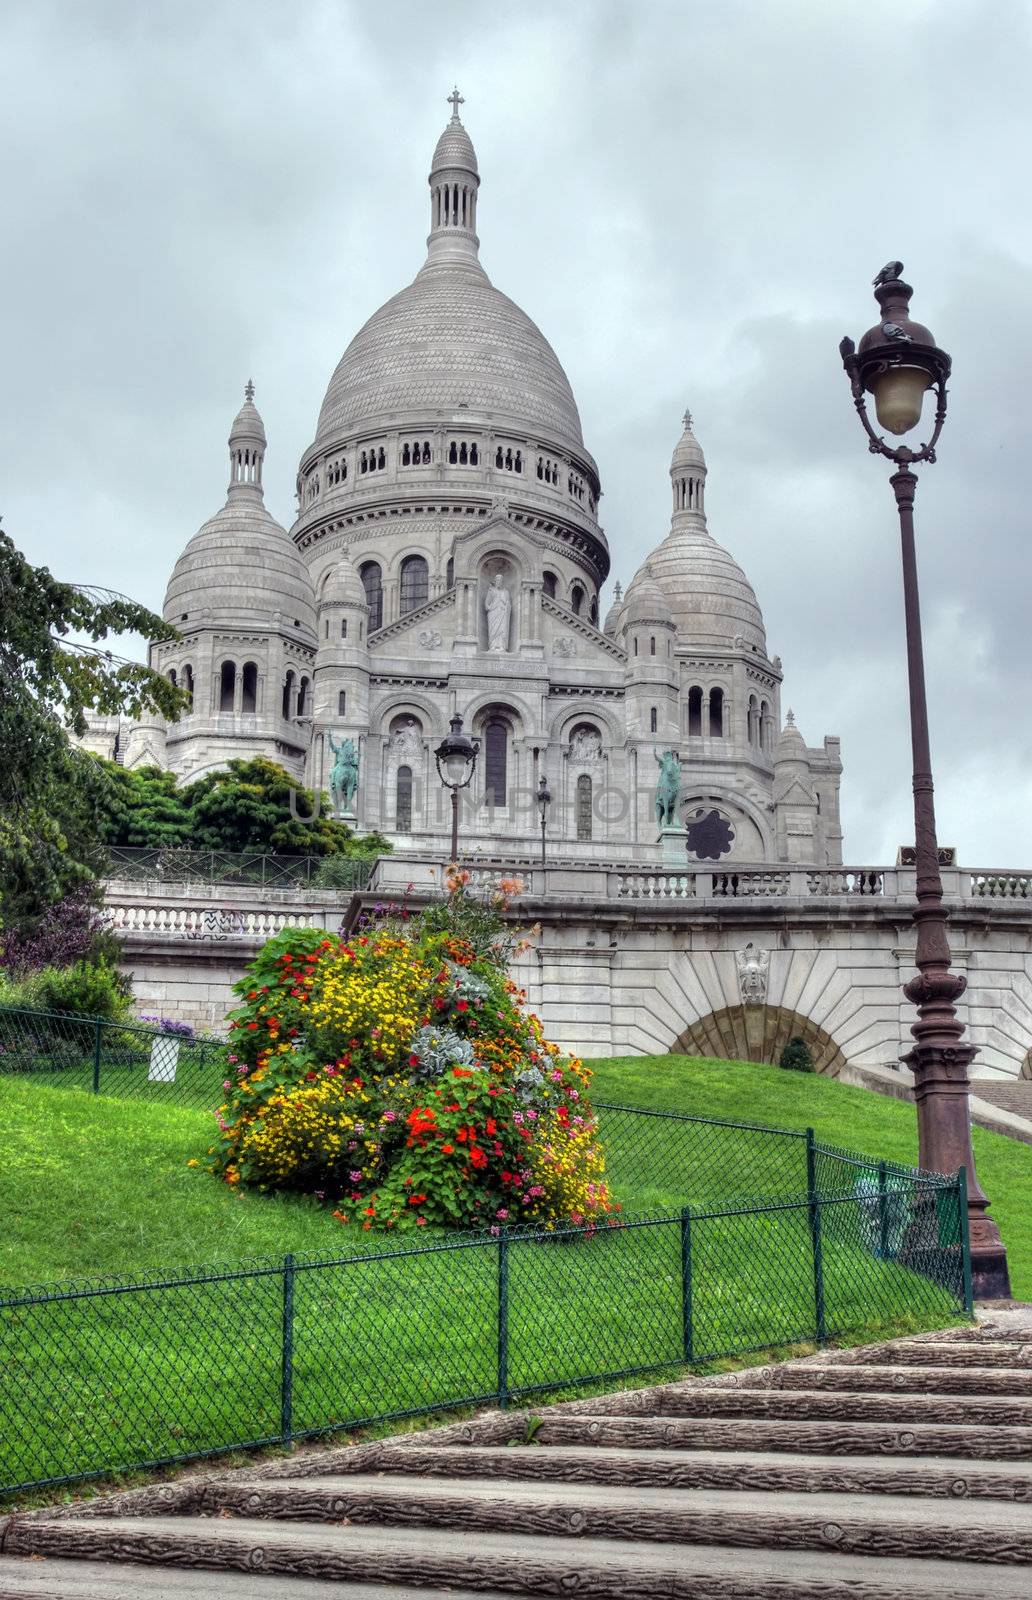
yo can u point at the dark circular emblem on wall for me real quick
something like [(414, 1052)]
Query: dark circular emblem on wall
[(710, 835)]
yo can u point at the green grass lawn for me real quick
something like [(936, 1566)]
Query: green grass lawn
[(101, 1187)]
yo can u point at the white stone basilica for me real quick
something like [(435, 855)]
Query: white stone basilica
[(447, 558)]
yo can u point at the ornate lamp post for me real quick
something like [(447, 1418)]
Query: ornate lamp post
[(456, 758), (897, 361), (544, 800)]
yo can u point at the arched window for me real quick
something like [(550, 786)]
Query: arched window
[(288, 695), (576, 599), (415, 583), (584, 806), (227, 685), (342, 702), (695, 710), (403, 800), (453, 454), (636, 644), (406, 455), (765, 728), (594, 611), (449, 573), (652, 645), (381, 458), (173, 680), (654, 720), (753, 720), (249, 691), (188, 683), (302, 697), (716, 713), (343, 627), (372, 583), (549, 581), (496, 746)]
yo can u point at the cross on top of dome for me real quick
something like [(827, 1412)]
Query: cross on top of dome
[(455, 100), (687, 419), (249, 389)]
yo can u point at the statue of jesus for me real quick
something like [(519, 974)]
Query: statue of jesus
[(497, 604)]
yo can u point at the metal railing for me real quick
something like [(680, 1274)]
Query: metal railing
[(234, 867)]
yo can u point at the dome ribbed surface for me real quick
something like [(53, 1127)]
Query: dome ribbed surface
[(242, 567), (247, 425), (711, 599), (454, 149), (450, 339)]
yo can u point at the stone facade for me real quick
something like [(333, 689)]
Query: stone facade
[(447, 557)]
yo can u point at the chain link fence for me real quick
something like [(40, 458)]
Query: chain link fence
[(734, 1237), (143, 1372), (126, 1059)]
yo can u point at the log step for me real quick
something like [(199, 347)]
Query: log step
[(930, 1477), (940, 1353), (880, 1525), (943, 1381), (810, 1405), (36, 1578), (746, 1433), (514, 1564)]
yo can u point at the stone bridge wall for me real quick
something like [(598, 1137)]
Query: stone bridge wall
[(642, 961)]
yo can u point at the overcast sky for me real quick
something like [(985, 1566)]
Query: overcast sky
[(689, 198)]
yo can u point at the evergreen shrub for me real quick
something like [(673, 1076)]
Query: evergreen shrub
[(796, 1057)]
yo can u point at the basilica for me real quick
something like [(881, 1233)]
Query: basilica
[(446, 559)]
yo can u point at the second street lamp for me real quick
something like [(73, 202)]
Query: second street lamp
[(544, 800), (456, 758), (897, 361)]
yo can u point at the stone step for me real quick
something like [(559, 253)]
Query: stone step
[(945, 1381), (517, 1565), (875, 1525), (746, 1433), (698, 1400), (50, 1578), (959, 1353), (931, 1476)]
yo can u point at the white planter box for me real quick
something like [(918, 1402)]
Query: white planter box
[(164, 1058)]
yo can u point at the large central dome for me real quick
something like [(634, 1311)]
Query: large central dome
[(451, 344), (450, 340)]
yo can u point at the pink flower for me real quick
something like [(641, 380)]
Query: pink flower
[(226, 1084), (388, 1116), (355, 1177), (502, 1214)]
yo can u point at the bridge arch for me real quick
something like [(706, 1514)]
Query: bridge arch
[(758, 1033)]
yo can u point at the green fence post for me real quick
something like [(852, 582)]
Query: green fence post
[(883, 1212), (287, 1371), (96, 1055), (965, 1241), (686, 1286), (814, 1209), (503, 1319)]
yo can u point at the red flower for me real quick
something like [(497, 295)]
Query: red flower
[(448, 1149), (478, 1158), (492, 1126), (462, 1005)]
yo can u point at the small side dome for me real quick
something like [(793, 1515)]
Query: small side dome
[(343, 587), (646, 602), (614, 616), (242, 568), (791, 745)]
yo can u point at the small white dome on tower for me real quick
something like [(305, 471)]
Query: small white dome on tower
[(242, 568), (646, 602), (343, 587)]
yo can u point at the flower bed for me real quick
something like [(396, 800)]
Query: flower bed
[(398, 1076)]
